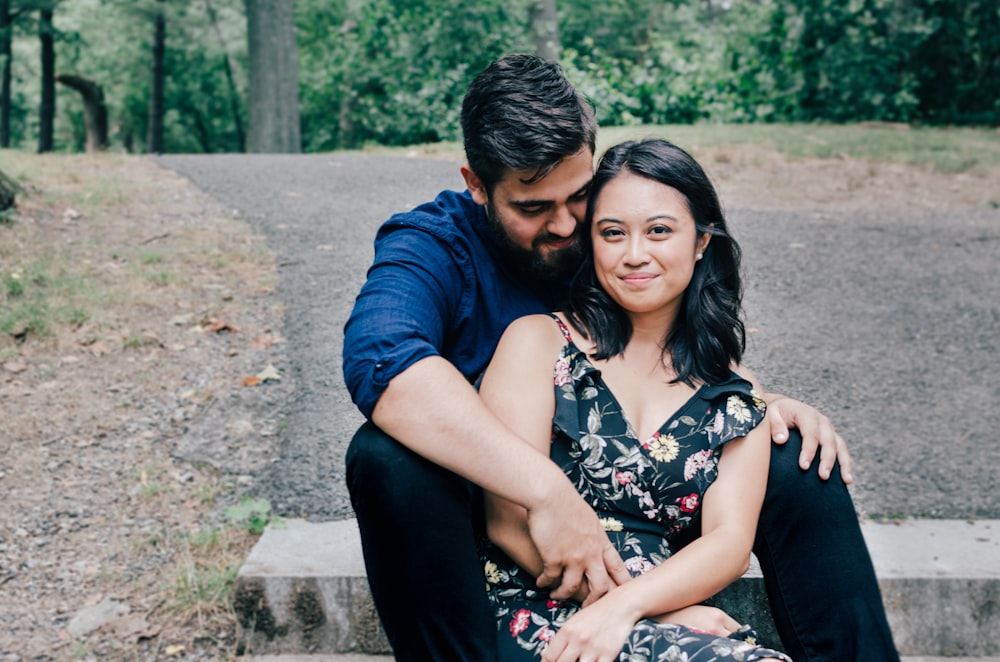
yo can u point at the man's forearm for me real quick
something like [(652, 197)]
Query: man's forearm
[(431, 409)]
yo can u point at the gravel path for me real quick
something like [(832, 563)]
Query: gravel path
[(888, 322)]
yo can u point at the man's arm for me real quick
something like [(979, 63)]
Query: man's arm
[(434, 411), (396, 375), (817, 432)]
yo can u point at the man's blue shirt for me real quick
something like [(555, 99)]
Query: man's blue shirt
[(437, 287)]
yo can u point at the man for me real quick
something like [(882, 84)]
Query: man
[(446, 280)]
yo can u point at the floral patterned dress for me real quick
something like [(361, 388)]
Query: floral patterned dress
[(644, 492)]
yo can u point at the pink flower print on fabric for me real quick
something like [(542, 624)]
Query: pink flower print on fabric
[(696, 462), (561, 372), (718, 425), (638, 565)]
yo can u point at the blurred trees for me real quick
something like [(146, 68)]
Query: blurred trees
[(394, 71)]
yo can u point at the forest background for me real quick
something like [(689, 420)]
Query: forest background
[(177, 75)]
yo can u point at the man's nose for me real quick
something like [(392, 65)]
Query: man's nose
[(562, 223)]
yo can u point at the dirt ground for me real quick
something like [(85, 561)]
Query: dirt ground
[(110, 546), (126, 431)]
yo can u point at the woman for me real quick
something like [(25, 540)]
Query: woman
[(637, 392)]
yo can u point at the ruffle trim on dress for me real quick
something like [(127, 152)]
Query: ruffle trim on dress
[(738, 408)]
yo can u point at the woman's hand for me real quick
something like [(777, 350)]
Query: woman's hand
[(596, 633), (702, 617)]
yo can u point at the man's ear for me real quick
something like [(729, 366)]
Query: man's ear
[(475, 185)]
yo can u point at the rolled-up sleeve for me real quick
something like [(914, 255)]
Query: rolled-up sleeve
[(403, 311)]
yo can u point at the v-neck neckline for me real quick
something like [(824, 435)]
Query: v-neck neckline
[(677, 413)]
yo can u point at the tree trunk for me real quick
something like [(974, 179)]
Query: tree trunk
[(6, 54), (545, 29), (47, 107), (154, 126), (234, 97), (95, 112), (274, 78)]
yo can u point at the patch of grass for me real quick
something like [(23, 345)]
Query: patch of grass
[(251, 514), (161, 278), (28, 319), (948, 150), (147, 257), (12, 285), (150, 485), (39, 296), (945, 149), (204, 578)]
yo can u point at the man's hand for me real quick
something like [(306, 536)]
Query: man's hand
[(577, 557), (817, 433)]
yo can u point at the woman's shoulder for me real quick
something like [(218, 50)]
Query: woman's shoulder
[(539, 331), (745, 373), (545, 333)]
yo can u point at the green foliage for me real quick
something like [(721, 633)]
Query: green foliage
[(109, 41), (394, 72), (251, 514)]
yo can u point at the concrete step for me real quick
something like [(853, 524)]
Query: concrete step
[(357, 657), (388, 658), (303, 590)]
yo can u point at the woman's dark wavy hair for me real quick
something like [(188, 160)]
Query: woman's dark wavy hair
[(708, 335), (521, 113)]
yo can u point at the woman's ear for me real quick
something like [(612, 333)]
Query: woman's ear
[(475, 186), (703, 243)]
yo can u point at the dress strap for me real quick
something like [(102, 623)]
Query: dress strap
[(562, 327)]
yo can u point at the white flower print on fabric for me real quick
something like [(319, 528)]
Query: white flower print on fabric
[(737, 408)]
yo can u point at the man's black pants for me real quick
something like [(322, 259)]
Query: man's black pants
[(420, 525)]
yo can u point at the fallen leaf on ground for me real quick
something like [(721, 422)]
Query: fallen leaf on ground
[(268, 374), (15, 366), (174, 649)]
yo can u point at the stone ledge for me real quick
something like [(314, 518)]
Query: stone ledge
[(303, 589)]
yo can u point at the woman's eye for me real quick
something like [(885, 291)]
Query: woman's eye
[(611, 233), (659, 230)]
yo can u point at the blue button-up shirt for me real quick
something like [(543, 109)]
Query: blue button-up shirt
[(436, 288)]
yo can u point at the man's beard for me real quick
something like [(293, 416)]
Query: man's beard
[(557, 266)]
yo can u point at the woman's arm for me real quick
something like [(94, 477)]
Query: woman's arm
[(730, 509), (518, 388)]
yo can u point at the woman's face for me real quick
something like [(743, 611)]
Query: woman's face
[(645, 244)]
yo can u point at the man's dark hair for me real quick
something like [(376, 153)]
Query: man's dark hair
[(708, 335), (521, 113)]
